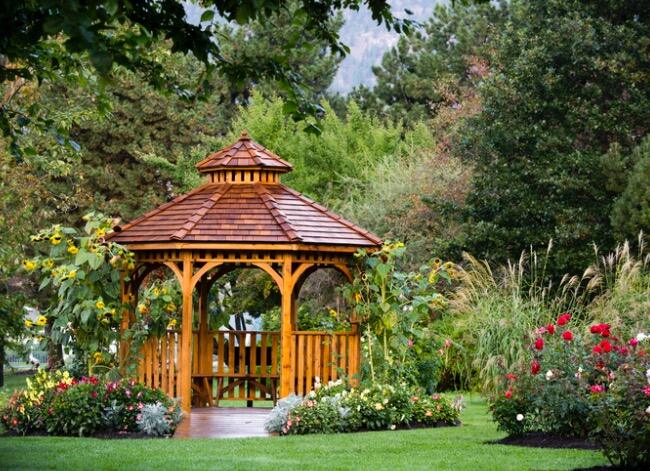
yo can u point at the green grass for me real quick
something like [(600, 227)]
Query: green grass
[(456, 448), (12, 382)]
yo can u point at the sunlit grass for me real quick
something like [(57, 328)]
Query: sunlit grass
[(454, 448)]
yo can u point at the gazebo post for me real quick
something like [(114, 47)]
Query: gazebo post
[(124, 322), (286, 327), (186, 335), (205, 345)]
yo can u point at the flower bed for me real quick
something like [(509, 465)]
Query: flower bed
[(582, 385), (57, 404), (336, 408)]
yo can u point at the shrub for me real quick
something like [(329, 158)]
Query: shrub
[(589, 384), (155, 420), (337, 407), (620, 415), (59, 404)]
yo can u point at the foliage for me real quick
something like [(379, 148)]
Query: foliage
[(567, 81), (59, 404), (620, 419), (337, 407), (329, 166), (49, 39), (581, 383), (631, 212), (396, 310), (492, 310), (155, 420), (431, 68), (83, 270), (157, 311)]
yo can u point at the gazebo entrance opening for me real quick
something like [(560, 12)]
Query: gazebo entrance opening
[(242, 217)]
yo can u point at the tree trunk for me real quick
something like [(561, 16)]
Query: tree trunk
[(54, 350), (2, 362)]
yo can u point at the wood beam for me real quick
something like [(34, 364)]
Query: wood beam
[(286, 328), (185, 366)]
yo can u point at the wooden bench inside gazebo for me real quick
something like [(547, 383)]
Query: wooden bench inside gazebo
[(241, 217)]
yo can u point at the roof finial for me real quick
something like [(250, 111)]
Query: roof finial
[(244, 135)]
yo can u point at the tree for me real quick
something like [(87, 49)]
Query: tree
[(47, 39), (429, 68), (631, 213), (568, 80)]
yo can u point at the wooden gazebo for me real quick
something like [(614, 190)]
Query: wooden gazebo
[(242, 216)]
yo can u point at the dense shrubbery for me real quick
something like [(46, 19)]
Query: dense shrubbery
[(581, 383), (338, 407), (58, 404)]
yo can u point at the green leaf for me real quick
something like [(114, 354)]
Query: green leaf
[(207, 16)]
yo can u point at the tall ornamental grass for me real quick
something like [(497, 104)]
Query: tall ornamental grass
[(497, 310)]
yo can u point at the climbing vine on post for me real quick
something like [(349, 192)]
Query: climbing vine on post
[(395, 309)]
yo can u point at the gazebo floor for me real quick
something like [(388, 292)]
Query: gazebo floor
[(223, 422)]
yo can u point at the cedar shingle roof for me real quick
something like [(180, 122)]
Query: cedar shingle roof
[(245, 153), (243, 212)]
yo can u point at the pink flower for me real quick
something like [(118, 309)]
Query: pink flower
[(289, 423), (409, 343), (140, 405), (127, 392), (646, 391), (567, 335), (597, 389), (94, 394), (633, 342), (436, 397)]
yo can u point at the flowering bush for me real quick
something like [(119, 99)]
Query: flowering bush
[(337, 407), (592, 385), (59, 404)]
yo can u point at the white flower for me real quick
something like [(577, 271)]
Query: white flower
[(647, 375), (549, 375), (641, 336), (647, 411), (520, 417), (393, 427)]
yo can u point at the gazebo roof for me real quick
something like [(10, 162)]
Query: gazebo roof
[(243, 203), (245, 153)]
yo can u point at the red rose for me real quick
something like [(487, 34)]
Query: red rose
[(598, 349), (535, 367), (564, 318), (94, 394), (539, 343), (606, 346), (508, 394), (550, 329), (633, 342), (567, 335)]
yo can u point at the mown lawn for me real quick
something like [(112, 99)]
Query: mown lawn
[(456, 448)]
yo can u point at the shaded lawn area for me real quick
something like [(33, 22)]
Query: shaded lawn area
[(12, 382), (456, 448)]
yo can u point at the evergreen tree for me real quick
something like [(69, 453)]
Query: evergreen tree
[(569, 79), (430, 67)]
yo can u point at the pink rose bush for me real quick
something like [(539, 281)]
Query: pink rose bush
[(596, 386), (58, 404)]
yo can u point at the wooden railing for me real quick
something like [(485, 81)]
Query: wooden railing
[(159, 365), (245, 365), (323, 355)]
